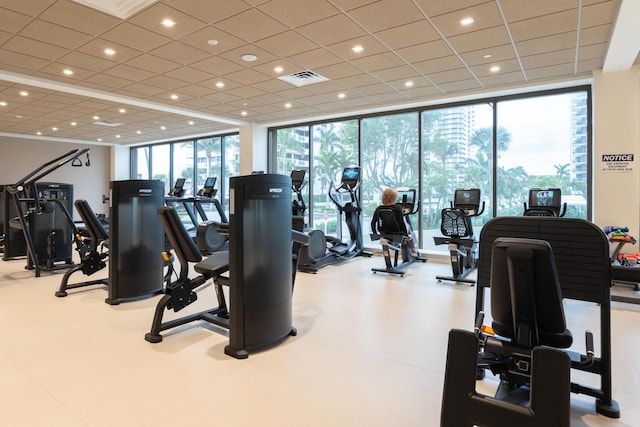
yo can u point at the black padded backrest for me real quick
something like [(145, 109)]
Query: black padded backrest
[(183, 245), (386, 222), (526, 302), (455, 223), (93, 226), (580, 248)]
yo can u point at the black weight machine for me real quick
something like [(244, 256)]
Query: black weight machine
[(42, 215), (458, 231), (394, 235), (205, 232), (326, 250), (92, 246), (545, 202), (259, 314)]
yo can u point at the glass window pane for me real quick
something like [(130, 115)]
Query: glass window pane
[(231, 166), (457, 153), (141, 165), (544, 145), (209, 164), (160, 165), (335, 146), (389, 160), (183, 165)]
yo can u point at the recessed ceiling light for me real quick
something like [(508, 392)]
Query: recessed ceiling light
[(96, 118), (220, 84), (212, 42), (38, 133), (466, 21), (357, 48), (163, 127), (67, 72), (249, 57), (18, 116), (24, 93), (3, 104), (487, 56), (494, 69), (244, 113), (191, 122), (109, 51), (174, 96), (54, 129), (138, 132), (287, 105), (122, 110), (341, 95), (278, 69), (408, 84), (168, 23), (73, 123), (117, 136), (99, 139)]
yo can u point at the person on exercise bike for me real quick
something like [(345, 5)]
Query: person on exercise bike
[(389, 199)]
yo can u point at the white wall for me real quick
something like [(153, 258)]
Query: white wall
[(616, 130), (20, 157)]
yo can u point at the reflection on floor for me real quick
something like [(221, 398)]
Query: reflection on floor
[(370, 351)]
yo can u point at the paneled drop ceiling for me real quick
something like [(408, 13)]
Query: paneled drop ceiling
[(170, 82)]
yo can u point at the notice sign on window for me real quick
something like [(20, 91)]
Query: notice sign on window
[(621, 163)]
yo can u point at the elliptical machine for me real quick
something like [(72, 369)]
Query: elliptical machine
[(326, 250), (458, 231)]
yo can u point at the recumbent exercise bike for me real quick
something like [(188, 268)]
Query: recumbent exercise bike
[(458, 231)]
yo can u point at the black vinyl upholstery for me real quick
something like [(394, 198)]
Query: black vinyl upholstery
[(186, 250), (455, 223), (385, 222), (92, 225)]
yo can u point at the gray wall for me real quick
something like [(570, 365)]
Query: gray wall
[(20, 157)]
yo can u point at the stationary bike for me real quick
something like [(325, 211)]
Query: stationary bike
[(326, 250), (394, 234), (458, 231)]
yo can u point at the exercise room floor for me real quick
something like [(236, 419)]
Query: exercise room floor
[(370, 351)]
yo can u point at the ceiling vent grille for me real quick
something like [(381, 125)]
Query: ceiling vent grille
[(108, 124), (303, 78)]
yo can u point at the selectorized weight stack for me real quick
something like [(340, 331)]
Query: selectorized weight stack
[(260, 267), (136, 240)]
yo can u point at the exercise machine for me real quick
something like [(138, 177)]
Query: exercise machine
[(545, 202), (260, 268), (204, 231), (136, 240), (458, 234), (394, 235), (298, 206), (326, 250), (39, 212), (526, 346), (594, 287), (92, 247)]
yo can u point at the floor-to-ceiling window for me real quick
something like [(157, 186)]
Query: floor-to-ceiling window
[(390, 159), (457, 153), (502, 145)]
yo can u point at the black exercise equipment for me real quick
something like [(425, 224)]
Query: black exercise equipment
[(394, 234), (91, 245), (181, 292), (259, 268), (203, 230), (40, 211), (136, 240), (458, 231), (545, 202), (528, 315), (326, 250), (298, 207), (581, 253)]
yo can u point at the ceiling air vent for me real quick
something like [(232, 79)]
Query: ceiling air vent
[(303, 78), (108, 124)]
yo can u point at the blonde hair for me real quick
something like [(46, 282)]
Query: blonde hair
[(389, 197)]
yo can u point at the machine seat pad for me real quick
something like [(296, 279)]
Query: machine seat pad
[(214, 265)]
